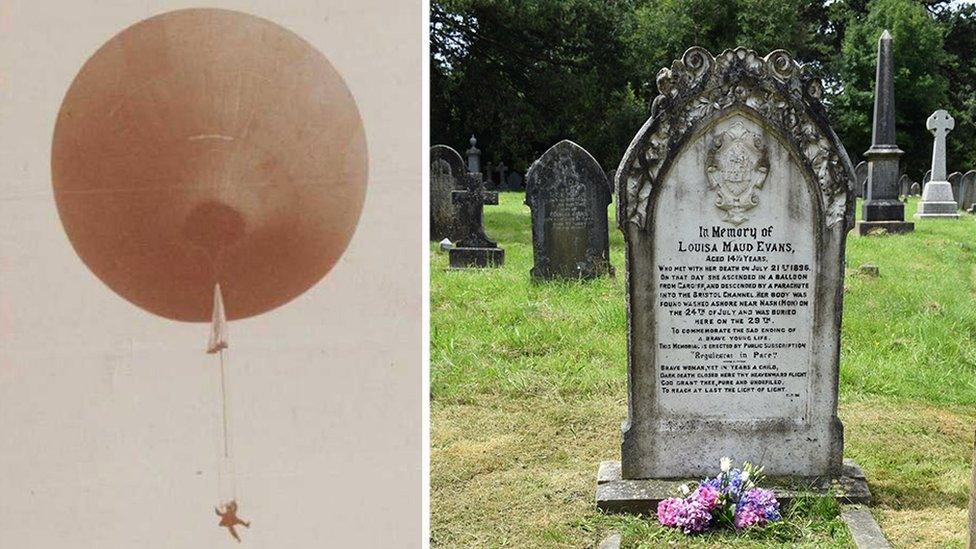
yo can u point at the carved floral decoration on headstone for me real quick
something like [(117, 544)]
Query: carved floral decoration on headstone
[(700, 87)]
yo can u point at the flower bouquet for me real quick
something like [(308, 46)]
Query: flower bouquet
[(732, 499)]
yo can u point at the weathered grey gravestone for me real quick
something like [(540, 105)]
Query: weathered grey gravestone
[(447, 172), (955, 183), (904, 185), (515, 182), (861, 179), (487, 176), (568, 193), (475, 249), (967, 191), (926, 177), (881, 208), (474, 156), (916, 189), (937, 199), (735, 200), (502, 171)]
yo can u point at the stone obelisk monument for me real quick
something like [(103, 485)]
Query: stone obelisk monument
[(937, 199), (881, 208)]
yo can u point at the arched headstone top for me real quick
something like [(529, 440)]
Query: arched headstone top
[(700, 88), (448, 153), (569, 151)]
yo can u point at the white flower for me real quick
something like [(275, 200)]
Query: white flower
[(726, 464), (745, 475), (684, 490)]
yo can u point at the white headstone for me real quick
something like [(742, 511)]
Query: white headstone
[(937, 199), (735, 223)]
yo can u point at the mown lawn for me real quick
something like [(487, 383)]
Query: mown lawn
[(528, 391)]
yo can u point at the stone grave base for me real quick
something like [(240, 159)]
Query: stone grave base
[(937, 209), (862, 526), (890, 227), (937, 201), (616, 495), (464, 258)]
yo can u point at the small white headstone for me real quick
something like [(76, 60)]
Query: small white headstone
[(937, 199)]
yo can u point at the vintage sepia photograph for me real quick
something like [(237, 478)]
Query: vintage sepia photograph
[(209, 288)]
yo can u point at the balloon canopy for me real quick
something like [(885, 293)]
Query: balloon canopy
[(207, 146)]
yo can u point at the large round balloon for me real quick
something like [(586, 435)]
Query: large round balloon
[(204, 146)]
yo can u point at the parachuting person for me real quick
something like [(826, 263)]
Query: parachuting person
[(229, 519)]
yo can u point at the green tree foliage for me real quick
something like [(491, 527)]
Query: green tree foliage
[(921, 86), (523, 74), (960, 43)]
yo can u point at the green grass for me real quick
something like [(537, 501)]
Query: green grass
[(528, 390)]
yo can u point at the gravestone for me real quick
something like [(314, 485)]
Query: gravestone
[(937, 198), (735, 200), (474, 156), (967, 191), (515, 182), (568, 194), (861, 179), (926, 177), (447, 172), (488, 175), (502, 171), (904, 185), (955, 183), (882, 208), (475, 249), (916, 189)]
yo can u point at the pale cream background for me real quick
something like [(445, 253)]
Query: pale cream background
[(108, 435)]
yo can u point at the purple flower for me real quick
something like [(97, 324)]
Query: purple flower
[(757, 506), (734, 485), (667, 511), (714, 483), (692, 517)]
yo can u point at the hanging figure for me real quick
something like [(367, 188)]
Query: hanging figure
[(229, 519)]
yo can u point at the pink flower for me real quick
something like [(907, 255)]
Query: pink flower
[(668, 510), (747, 516), (706, 496)]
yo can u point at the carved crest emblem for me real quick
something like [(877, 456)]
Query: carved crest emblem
[(737, 166)]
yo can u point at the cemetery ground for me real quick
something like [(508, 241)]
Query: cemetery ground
[(528, 389)]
